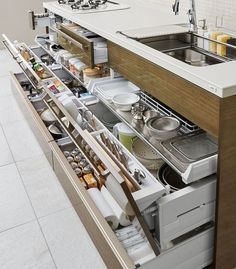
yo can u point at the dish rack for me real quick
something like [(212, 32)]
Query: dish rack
[(151, 102)]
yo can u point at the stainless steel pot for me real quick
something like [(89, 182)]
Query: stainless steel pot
[(168, 177)]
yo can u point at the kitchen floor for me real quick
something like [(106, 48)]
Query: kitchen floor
[(38, 226)]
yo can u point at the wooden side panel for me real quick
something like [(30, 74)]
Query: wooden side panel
[(186, 98), (226, 202)]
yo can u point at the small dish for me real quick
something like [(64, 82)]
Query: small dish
[(124, 101)]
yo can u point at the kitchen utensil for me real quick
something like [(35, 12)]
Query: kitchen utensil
[(47, 59), (137, 113), (124, 101), (123, 159), (71, 108), (163, 128), (55, 131), (168, 177), (146, 155), (150, 113), (47, 116), (124, 134), (139, 176), (65, 121), (191, 147)]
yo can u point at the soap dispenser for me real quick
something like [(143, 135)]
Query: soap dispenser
[(207, 34), (201, 30)]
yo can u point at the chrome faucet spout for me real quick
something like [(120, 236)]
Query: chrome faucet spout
[(191, 13), (175, 7)]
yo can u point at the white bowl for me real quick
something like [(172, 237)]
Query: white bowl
[(124, 101)]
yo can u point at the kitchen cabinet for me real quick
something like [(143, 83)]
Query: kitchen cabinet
[(211, 113)]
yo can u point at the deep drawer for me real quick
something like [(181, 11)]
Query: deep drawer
[(82, 46)]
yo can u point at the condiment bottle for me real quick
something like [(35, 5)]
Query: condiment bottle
[(37, 67)]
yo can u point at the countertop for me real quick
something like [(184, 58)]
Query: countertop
[(219, 79)]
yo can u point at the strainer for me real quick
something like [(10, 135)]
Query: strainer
[(146, 155)]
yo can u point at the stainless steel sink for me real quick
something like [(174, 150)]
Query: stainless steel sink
[(193, 57), (184, 48)]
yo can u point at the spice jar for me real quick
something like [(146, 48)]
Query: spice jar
[(91, 73)]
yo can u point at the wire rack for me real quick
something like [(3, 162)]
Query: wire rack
[(150, 101)]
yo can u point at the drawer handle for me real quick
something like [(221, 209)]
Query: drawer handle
[(70, 39)]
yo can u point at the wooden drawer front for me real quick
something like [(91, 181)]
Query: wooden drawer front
[(191, 101), (100, 232), (76, 44)]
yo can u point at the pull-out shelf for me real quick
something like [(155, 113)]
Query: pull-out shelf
[(190, 170)]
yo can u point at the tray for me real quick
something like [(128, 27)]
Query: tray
[(191, 147), (109, 88)]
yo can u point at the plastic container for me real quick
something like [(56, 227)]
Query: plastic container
[(65, 58), (124, 134), (79, 67), (72, 62), (59, 56)]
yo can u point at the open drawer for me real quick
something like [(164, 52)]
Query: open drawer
[(111, 249), (185, 208), (180, 151), (91, 48), (33, 68), (199, 246)]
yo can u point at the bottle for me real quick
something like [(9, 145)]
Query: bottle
[(37, 67), (207, 34), (201, 31)]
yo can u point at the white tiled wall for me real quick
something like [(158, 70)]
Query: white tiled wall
[(208, 9)]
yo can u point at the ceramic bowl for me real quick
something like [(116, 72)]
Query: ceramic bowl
[(124, 101)]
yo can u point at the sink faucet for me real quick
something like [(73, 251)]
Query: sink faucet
[(191, 13)]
